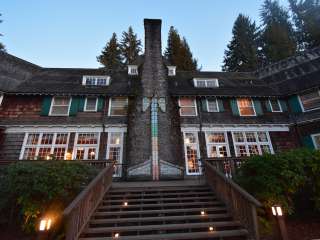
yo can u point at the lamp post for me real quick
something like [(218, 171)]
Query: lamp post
[(45, 225), (278, 213)]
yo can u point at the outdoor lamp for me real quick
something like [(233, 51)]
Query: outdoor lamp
[(45, 224), (278, 213)]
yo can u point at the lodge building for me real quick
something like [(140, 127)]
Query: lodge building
[(154, 120)]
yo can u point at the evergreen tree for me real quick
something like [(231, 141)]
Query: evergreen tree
[(111, 54), (306, 16), (242, 53), (130, 46), (278, 41), (2, 47), (178, 52)]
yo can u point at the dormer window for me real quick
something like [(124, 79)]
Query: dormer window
[(206, 83), (171, 70), (96, 80), (132, 69)]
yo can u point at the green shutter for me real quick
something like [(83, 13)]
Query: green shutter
[(74, 106), (81, 104), (295, 104), (220, 104), (283, 105), (257, 107), (46, 104), (308, 142), (268, 107), (100, 104), (204, 106), (234, 107)]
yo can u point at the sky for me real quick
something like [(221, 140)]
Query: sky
[(71, 33)]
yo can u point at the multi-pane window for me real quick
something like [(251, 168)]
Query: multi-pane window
[(212, 105), (96, 80), (45, 146), (60, 106), (310, 100), (251, 143), (118, 106), (114, 150), (275, 105), (192, 155), (316, 140), (217, 144), (91, 104), (188, 107), (246, 107), (206, 83), (86, 146)]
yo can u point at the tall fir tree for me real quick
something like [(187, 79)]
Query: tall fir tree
[(2, 47), (306, 16), (111, 54), (178, 52), (277, 39), (130, 46), (242, 52)]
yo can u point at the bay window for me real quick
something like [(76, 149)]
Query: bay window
[(86, 146), (310, 101), (246, 107), (188, 107), (217, 144)]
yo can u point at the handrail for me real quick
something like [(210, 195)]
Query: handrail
[(242, 205), (77, 214)]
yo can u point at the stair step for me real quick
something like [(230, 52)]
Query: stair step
[(162, 211), (161, 218), (173, 194), (157, 190), (161, 199), (180, 236)]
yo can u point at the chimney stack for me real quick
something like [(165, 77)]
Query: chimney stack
[(152, 29)]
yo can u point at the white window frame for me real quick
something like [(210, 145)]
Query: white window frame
[(280, 107), (206, 80), (110, 105), (313, 136), (118, 168), (51, 105), (194, 105), (218, 144), (95, 77), (1, 98), (37, 146), (171, 70), (186, 156), (85, 105), (254, 109), (217, 105), (246, 143), (301, 104), (133, 70), (85, 146)]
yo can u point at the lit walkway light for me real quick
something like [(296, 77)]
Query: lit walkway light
[(45, 224), (278, 213)]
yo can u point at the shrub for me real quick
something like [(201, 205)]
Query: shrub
[(276, 179), (29, 189)]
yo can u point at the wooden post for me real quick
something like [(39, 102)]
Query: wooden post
[(283, 228)]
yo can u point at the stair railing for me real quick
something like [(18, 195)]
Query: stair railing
[(242, 205), (78, 213)]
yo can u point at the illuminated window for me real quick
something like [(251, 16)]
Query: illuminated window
[(86, 146), (192, 154), (91, 104), (275, 105), (45, 146), (217, 144), (114, 150), (60, 106), (311, 100), (118, 106), (188, 107), (246, 107)]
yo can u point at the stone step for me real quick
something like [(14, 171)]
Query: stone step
[(158, 190), (167, 195)]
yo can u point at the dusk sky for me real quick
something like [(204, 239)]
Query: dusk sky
[(71, 33)]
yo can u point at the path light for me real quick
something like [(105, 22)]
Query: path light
[(203, 213), (117, 235), (125, 204), (278, 213), (45, 224), (211, 229)]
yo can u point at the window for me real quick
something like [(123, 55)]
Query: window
[(114, 150), (171, 70), (316, 140), (96, 80), (118, 106), (311, 100), (86, 146), (45, 146), (275, 105), (217, 144), (246, 107), (60, 106), (251, 143), (191, 151), (212, 105), (188, 107), (132, 70), (1, 99), (91, 104), (206, 83)]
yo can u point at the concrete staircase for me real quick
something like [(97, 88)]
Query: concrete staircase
[(172, 210)]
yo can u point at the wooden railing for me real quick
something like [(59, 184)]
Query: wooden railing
[(241, 204), (228, 165), (77, 214)]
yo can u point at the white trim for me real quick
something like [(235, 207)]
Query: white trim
[(118, 168), (84, 80), (301, 104), (194, 106), (52, 100), (173, 69), (198, 153), (190, 129), (250, 128), (133, 70), (254, 109), (110, 105), (85, 105), (206, 80), (280, 107), (218, 144), (313, 136), (85, 146), (216, 101)]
